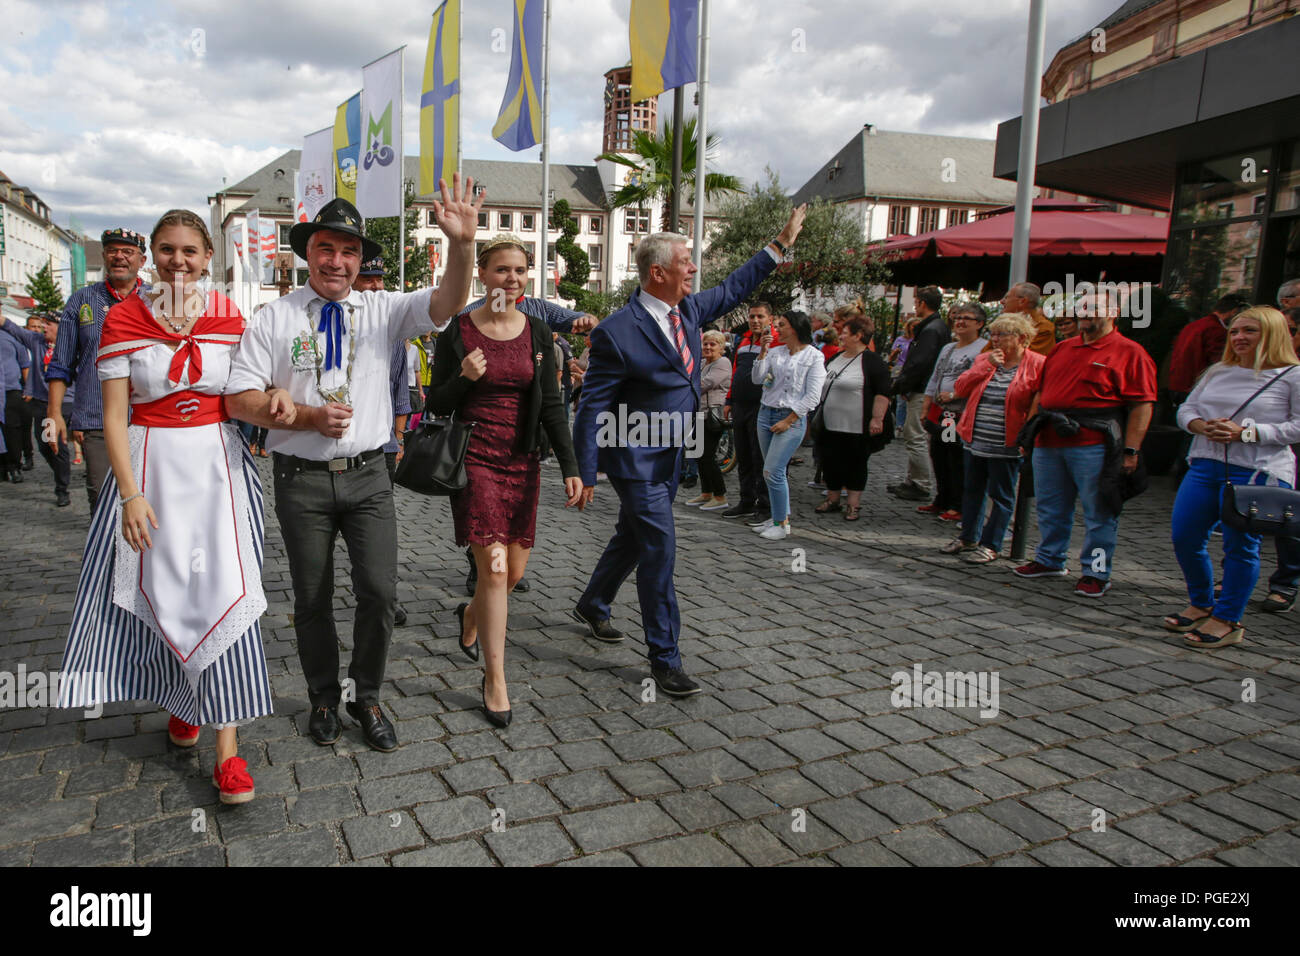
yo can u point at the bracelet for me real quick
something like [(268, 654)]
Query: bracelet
[(138, 494), (781, 247)]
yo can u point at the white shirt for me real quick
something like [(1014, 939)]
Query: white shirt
[(659, 310), (412, 364), (1221, 390), (282, 347), (796, 380)]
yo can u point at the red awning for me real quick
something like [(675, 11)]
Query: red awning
[(1058, 228)]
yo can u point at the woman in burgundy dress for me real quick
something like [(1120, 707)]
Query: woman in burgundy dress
[(495, 366)]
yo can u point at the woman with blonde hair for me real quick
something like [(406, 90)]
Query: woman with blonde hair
[(1244, 413), (495, 366), (715, 380)]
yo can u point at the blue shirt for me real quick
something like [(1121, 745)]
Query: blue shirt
[(13, 359), (34, 343), (557, 317), (397, 384), (76, 348)]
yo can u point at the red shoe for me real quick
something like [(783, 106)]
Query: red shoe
[(1089, 586), (181, 733), (928, 509), (1035, 570), (232, 779), (950, 515)]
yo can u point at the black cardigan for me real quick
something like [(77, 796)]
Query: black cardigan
[(543, 406)]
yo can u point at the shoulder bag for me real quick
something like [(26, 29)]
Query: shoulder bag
[(434, 458), (1259, 509)]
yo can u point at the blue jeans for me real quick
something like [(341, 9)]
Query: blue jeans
[(1063, 476), (994, 478), (1196, 512), (777, 452)]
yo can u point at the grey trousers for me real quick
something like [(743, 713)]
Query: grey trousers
[(95, 452), (313, 508), (917, 442)]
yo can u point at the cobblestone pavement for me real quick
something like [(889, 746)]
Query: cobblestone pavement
[(1113, 744)]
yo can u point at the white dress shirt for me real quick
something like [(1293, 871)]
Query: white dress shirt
[(659, 310), (266, 357)]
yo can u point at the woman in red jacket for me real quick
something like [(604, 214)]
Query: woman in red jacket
[(999, 389)]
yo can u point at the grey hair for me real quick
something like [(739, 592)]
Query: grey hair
[(1029, 292), (1288, 288), (656, 250)]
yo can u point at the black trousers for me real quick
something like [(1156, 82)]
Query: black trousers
[(711, 479), (844, 460), (14, 429), (60, 464), (949, 471), (749, 457), (33, 412), (314, 507)]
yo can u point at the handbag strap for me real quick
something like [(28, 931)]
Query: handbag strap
[(1242, 407)]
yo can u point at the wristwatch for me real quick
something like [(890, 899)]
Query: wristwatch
[(781, 247), (1130, 451)]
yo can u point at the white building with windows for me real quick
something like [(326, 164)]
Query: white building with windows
[(29, 239)]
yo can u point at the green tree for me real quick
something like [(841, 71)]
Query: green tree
[(385, 232), (43, 288), (828, 261), (577, 264), (652, 178)]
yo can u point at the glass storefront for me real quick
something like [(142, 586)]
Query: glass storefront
[(1235, 227)]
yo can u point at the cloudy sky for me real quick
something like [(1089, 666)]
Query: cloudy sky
[(115, 111)]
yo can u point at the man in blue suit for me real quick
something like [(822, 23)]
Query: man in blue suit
[(645, 366)]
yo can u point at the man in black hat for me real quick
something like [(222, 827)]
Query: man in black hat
[(73, 363), (331, 348)]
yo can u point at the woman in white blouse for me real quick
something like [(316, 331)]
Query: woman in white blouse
[(1231, 418), (792, 376)]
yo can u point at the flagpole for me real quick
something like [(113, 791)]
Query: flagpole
[(546, 131), (701, 142), (460, 43), (401, 173)]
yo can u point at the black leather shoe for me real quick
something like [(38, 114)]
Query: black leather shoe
[(690, 481), (324, 725), (674, 682), (61, 500), (16, 476), (377, 729), (471, 650), (28, 464), (523, 585), (399, 616), (500, 718), (600, 630)]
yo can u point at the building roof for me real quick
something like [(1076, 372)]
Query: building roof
[(508, 183), (892, 165)]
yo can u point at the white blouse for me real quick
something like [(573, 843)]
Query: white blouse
[(791, 381)]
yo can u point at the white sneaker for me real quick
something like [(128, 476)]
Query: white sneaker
[(775, 532), (760, 528)]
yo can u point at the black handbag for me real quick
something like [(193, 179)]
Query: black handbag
[(433, 462), (1259, 509)]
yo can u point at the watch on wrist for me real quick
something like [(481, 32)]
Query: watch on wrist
[(781, 247), (1130, 451)]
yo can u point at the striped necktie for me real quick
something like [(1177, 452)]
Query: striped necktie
[(679, 336)]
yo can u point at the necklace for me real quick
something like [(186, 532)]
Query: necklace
[(341, 395)]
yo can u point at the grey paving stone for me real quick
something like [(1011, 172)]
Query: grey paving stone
[(1020, 819), (1281, 846), (646, 744), (925, 846), (100, 848), (946, 792), (324, 773), (762, 755), (981, 834), (525, 765), (446, 819), (129, 806), (1120, 848), (173, 834), (643, 779), (808, 745), (610, 827), (851, 820), (522, 801), (1166, 835), (1241, 811), (261, 817), (870, 853), (532, 844), (423, 755), (587, 789), (586, 754), (460, 853), (1066, 853), (696, 810), (322, 806), (835, 777), (306, 848), (385, 833), (787, 788), (703, 768), (699, 850), (473, 776), (880, 767), (744, 800), (608, 858), (756, 844), (899, 804), (392, 793)]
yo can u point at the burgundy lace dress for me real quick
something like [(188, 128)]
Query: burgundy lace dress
[(499, 503)]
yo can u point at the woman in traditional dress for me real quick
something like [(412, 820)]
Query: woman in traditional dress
[(495, 366), (168, 609)]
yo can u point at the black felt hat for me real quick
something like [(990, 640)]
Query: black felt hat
[(337, 215)]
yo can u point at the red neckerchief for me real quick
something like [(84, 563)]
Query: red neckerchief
[(130, 326), (120, 298), (49, 354)]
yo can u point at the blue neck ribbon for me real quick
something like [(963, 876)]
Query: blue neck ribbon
[(331, 323)]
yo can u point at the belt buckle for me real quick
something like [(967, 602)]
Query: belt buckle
[(338, 464)]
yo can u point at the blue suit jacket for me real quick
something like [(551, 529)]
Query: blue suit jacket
[(633, 369)]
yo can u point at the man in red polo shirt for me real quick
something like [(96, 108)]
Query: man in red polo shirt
[(1200, 344), (1097, 396)]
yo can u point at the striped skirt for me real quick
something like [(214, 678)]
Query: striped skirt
[(113, 655)]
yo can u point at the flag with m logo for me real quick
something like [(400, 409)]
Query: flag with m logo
[(379, 169)]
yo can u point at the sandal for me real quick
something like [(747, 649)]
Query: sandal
[(827, 506), (1202, 641), (1277, 606), (851, 514), (1179, 622)]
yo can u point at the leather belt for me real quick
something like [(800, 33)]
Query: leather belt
[(333, 465)]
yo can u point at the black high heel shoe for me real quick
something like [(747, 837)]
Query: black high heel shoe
[(472, 650), (500, 718)]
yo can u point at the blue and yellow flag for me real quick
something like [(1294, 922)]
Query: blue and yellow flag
[(665, 36), (347, 147), (520, 124), (440, 99)]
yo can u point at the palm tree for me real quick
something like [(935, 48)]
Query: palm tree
[(652, 178)]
